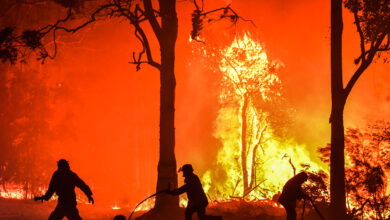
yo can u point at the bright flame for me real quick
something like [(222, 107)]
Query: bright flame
[(147, 205), (12, 194), (250, 85), (246, 68), (183, 201), (17, 191), (115, 207)]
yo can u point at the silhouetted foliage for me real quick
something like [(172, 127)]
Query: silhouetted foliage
[(199, 15), (316, 187), (372, 18), (8, 50), (32, 39), (15, 48), (197, 25), (367, 168)]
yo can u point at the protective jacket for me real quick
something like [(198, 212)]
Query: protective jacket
[(193, 188), (292, 191)]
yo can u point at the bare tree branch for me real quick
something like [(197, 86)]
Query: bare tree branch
[(77, 28), (199, 15), (150, 15), (197, 6), (234, 17), (145, 43), (117, 8), (375, 45)]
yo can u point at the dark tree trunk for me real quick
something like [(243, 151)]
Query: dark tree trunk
[(337, 173), (167, 162), (243, 145), (337, 182)]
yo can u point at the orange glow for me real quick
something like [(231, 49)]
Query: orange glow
[(104, 115)]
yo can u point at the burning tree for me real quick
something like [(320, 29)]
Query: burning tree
[(253, 111), (248, 79)]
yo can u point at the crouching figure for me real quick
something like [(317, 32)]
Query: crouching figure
[(197, 200), (292, 191)]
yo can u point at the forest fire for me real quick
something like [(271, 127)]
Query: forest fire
[(13, 194), (17, 191), (254, 162), (117, 90)]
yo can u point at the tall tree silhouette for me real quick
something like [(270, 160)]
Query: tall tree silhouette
[(372, 20), (164, 24)]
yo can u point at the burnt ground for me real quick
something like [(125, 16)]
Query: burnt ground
[(230, 210)]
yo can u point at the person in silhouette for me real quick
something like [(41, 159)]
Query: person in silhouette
[(63, 183), (292, 191), (197, 200)]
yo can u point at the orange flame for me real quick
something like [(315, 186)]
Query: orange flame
[(249, 78)]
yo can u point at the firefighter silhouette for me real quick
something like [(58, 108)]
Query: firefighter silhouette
[(292, 191), (63, 183), (197, 200)]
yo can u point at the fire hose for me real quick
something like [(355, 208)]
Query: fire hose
[(151, 196), (303, 209), (315, 208)]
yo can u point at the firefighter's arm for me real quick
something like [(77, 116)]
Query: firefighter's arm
[(179, 191), (85, 188)]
